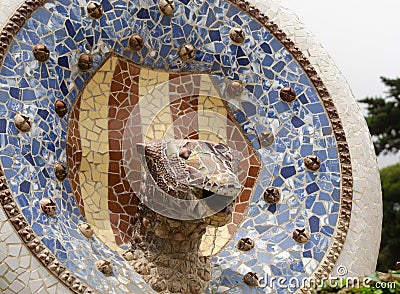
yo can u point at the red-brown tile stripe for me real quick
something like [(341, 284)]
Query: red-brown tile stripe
[(248, 171), (74, 153), (184, 107), (122, 201)]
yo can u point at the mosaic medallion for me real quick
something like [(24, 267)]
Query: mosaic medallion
[(86, 85)]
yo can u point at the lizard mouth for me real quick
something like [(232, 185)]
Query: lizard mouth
[(222, 217), (215, 200), (206, 193)]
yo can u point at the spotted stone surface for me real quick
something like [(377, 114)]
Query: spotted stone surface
[(360, 154)]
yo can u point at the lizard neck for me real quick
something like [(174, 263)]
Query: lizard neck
[(166, 253)]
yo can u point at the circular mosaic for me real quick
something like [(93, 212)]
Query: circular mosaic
[(84, 85)]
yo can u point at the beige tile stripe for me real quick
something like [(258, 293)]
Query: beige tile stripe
[(212, 127), (155, 114), (212, 113), (93, 127)]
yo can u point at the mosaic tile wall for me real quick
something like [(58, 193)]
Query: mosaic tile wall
[(302, 128)]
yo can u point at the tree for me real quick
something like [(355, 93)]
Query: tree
[(384, 118), (384, 124), (389, 252)]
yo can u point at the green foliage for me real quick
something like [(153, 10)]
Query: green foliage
[(384, 124), (384, 118), (390, 244)]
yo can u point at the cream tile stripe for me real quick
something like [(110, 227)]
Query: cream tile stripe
[(93, 127), (155, 113), (212, 127), (212, 113)]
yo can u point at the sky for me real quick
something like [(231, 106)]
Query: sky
[(363, 37)]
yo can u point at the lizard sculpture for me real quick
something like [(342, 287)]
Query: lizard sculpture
[(165, 251)]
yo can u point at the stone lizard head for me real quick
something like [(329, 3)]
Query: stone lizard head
[(193, 170)]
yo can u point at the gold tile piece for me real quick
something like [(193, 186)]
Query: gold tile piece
[(212, 119)]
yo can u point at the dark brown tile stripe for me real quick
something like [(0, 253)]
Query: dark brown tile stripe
[(248, 170), (122, 201), (74, 153), (184, 109)]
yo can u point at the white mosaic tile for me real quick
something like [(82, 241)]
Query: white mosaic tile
[(19, 271), (7, 8)]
